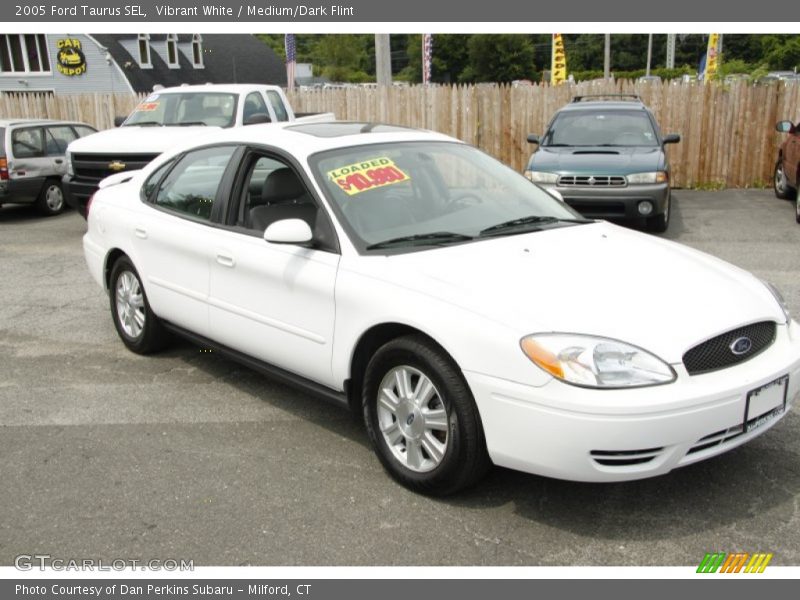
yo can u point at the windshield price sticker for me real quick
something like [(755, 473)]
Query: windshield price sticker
[(367, 175), (147, 106)]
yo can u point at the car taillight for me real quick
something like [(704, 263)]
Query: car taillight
[(88, 205), (3, 169)]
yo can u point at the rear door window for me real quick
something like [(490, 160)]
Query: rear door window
[(191, 188), (27, 142), (277, 105)]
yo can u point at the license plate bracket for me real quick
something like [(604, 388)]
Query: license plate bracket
[(764, 403)]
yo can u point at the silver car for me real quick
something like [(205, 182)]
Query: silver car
[(32, 161)]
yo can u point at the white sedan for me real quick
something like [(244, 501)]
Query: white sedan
[(471, 317)]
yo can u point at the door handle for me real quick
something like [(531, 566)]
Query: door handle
[(140, 233), (225, 260), (58, 161)]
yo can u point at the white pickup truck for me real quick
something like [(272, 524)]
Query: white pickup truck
[(167, 117)]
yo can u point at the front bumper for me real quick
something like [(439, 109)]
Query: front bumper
[(614, 202), (567, 432), (77, 192)]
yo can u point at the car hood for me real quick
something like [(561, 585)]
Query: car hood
[(128, 140), (587, 160), (596, 279)]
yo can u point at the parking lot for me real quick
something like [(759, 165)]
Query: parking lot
[(186, 455)]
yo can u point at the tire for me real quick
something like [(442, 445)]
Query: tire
[(797, 210), (780, 184), (137, 326), (660, 223), (425, 429), (51, 199)]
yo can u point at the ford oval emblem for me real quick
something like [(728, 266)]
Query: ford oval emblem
[(741, 345)]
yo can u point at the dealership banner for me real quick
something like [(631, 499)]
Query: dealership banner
[(408, 11), (712, 56), (388, 589), (558, 62)]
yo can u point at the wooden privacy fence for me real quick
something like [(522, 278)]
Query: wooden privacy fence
[(97, 110), (727, 131)]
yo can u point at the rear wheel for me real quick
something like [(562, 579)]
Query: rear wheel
[(137, 326), (51, 199), (780, 183), (421, 418)]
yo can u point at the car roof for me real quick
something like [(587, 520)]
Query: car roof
[(604, 105), (14, 122), (303, 140), (233, 88)]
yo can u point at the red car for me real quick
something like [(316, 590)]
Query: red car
[(787, 169)]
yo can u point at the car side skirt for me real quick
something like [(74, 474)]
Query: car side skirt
[(271, 371)]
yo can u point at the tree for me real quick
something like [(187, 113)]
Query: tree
[(499, 58)]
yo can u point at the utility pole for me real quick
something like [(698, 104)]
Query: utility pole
[(607, 57), (671, 50), (649, 52), (383, 59)]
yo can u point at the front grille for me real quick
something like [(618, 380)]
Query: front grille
[(96, 166), (716, 353), (591, 180), (624, 458), (716, 438)]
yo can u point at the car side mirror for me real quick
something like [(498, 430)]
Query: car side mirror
[(533, 138), (784, 127), (288, 231), (672, 138), (118, 121), (257, 119)]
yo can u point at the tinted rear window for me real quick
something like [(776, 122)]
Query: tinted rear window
[(2, 141)]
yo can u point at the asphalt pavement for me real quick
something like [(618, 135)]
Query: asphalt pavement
[(186, 455)]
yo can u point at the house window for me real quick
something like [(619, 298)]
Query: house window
[(172, 51), (24, 53), (197, 51), (144, 51)]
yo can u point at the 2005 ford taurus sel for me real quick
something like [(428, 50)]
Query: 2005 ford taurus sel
[(471, 317)]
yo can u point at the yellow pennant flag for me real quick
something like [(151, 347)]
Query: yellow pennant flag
[(558, 65), (712, 57)]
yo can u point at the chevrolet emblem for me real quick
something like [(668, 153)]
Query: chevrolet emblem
[(116, 165)]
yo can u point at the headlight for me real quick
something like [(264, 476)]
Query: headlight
[(68, 160), (779, 299), (541, 176), (654, 177), (595, 362)]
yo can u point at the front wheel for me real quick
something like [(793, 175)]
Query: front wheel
[(421, 418), (781, 184), (660, 223), (51, 199), (136, 324)]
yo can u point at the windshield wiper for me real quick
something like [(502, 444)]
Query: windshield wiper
[(434, 239), (189, 123), (559, 145), (144, 124), (525, 224)]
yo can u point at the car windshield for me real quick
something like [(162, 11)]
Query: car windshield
[(406, 194), (214, 109), (601, 128)]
